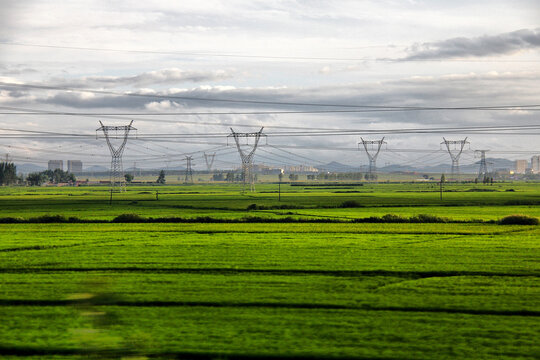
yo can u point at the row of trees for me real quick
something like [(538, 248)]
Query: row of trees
[(8, 176), (54, 176)]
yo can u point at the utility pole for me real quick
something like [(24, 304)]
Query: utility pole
[(280, 176), (375, 147), (482, 171), (441, 185), (247, 157), (455, 152), (117, 171), (209, 159), (189, 171)]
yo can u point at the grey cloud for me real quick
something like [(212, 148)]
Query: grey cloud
[(502, 44), (4, 70), (456, 90), (163, 76)]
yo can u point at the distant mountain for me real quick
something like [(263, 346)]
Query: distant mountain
[(96, 168), (335, 166), (27, 168), (397, 168), (493, 164)]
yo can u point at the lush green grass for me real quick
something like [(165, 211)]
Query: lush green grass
[(398, 291), (212, 290), (226, 201)]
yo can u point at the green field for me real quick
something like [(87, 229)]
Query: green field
[(271, 290)]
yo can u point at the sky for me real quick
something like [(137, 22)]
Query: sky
[(83, 57)]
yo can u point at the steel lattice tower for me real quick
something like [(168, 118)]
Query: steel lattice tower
[(374, 145), (247, 157), (209, 158), (482, 170), (189, 171), (455, 153), (117, 171)]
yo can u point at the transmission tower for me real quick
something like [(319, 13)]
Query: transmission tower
[(209, 158), (117, 171), (455, 148), (482, 171), (189, 171), (372, 148), (247, 157)]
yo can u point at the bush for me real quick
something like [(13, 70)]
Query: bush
[(350, 204), (46, 219), (11, 220), (129, 218), (426, 218), (393, 218), (518, 220), (252, 207)]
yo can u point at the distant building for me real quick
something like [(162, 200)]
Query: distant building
[(74, 166), (521, 166), (300, 169), (56, 164), (535, 164)]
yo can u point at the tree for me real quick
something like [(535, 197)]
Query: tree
[(8, 173), (128, 177), (58, 176), (161, 177), (36, 178), (443, 178)]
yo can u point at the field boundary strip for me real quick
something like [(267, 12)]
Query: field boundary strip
[(283, 272), (215, 304)]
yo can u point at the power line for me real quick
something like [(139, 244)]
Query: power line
[(261, 102), (267, 57)]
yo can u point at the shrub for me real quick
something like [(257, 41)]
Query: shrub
[(11, 220), (393, 218), (252, 207), (46, 219), (129, 218), (350, 204), (518, 220), (426, 218)]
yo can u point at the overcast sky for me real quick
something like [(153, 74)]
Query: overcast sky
[(382, 53)]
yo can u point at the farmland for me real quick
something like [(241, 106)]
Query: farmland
[(468, 288)]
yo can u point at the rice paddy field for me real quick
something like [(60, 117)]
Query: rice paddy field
[(306, 280)]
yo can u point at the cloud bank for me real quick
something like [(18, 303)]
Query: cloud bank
[(163, 76), (462, 47)]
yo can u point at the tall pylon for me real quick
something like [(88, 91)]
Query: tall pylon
[(209, 158), (455, 152), (247, 157), (189, 171), (482, 170), (117, 179), (375, 147)]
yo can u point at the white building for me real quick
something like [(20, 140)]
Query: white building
[(521, 166), (56, 164), (74, 166), (535, 164)]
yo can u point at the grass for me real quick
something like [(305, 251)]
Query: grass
[(278, 290)]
